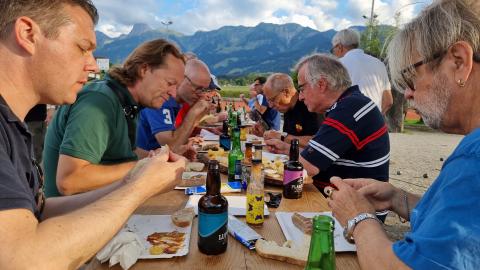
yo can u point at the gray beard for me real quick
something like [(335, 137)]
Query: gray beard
[(433, 109)]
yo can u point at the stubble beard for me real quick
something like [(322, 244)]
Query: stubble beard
[(435, 105)]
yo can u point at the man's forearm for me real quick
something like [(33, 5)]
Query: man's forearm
[(57, 206), (303, 140), (67, 235), (374, 249), (92, 176), (261, 109), (403, 202), (182, 133)]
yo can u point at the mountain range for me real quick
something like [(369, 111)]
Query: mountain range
[(231, 50)]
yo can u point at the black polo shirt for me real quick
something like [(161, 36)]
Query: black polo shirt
[(300, 122), (19, 177)]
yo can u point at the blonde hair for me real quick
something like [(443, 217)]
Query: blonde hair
[(430, 35)]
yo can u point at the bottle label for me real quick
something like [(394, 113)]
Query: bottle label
[(238, 170), (212, 228), (246, 173), (290, 176), (225, 143), (255, 207)]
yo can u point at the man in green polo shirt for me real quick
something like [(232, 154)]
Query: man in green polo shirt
[(90, 144)]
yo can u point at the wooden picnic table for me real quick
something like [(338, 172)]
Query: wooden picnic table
[(237, 256)]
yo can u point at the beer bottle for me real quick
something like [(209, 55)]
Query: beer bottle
[(293, 174), (235, 157), (321, 255), (247, 165), (212, 215), (219, 108), (225, 141), (255, 193)]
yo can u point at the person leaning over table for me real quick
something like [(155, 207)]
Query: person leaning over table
[(40, 39), (352, 141), (436, 59), (298, 122), (261, 108), (157, 126), (91, 143)]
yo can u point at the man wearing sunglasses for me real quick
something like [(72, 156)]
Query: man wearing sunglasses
[(435, 60), (157, 126), (366, 71)]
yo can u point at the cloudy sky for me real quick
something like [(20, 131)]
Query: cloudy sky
[(189, 16)]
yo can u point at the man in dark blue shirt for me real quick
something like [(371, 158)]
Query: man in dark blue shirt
[(353, 140), (270, 116)]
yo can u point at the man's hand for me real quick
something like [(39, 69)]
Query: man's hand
[(258, 130), (187, 150), (200, 109), (278, 147), (161, 172), (222, 116), (272, 134), (346, 202), (380, 194)]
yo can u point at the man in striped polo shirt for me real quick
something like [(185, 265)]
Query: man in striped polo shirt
[(353, 140)]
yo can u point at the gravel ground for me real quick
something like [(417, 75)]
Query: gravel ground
[(416, 160)]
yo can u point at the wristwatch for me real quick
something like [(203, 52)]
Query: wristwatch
[(352, 223)]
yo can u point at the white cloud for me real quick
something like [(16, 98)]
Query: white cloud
[(208, 15)]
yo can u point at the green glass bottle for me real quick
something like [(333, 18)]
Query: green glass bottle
[(321, 255), (235, 157)]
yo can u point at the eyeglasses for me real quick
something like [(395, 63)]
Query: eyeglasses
[(409, 81), (333, 48), (273, 99), (196, 87)]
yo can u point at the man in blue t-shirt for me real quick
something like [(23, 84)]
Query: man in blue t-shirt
[(269, 116), (437, 64)]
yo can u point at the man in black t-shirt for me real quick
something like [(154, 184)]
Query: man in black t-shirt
[(298, 122)]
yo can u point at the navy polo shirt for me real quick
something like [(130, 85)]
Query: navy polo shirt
[(352, 142), (19, 178)]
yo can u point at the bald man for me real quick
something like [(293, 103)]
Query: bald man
[(298, 122), (157, 126)]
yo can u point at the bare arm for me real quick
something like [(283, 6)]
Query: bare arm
[(180, 136), (303, 140), (261, 109), (311, 169), (67, 241), (387, 101), (374, 249), (77, 175)]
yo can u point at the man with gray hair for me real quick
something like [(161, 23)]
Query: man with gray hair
[(366, 71), (353, 138), (436, 59), (298, 122)]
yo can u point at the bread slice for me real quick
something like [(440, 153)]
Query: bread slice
[(183, 217), (194, 167), (288, 252)]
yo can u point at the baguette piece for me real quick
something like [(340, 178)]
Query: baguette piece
[(183, 217), (288, 252)]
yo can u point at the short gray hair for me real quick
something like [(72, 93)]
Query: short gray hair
[(347, 37), (431, 34), (279, 82), (328, 67)]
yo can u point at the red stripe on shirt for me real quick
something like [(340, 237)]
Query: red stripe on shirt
[(351, 134)]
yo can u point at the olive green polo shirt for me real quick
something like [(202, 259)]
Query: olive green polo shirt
[(94, 129)]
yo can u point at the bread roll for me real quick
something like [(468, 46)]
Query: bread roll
[(288, 252)]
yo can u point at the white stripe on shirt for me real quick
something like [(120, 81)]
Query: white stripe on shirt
[(324, 150), (364, 111), (368, 164)]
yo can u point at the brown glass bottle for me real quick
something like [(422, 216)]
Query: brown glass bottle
[(293, 174), (212, 215)]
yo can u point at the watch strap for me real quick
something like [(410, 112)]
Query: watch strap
[(352, 223)]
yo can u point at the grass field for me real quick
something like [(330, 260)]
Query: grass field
[(234, 91)]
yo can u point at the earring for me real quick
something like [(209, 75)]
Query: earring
[(461, 83)]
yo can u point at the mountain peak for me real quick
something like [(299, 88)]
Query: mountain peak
[(139, 28)]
